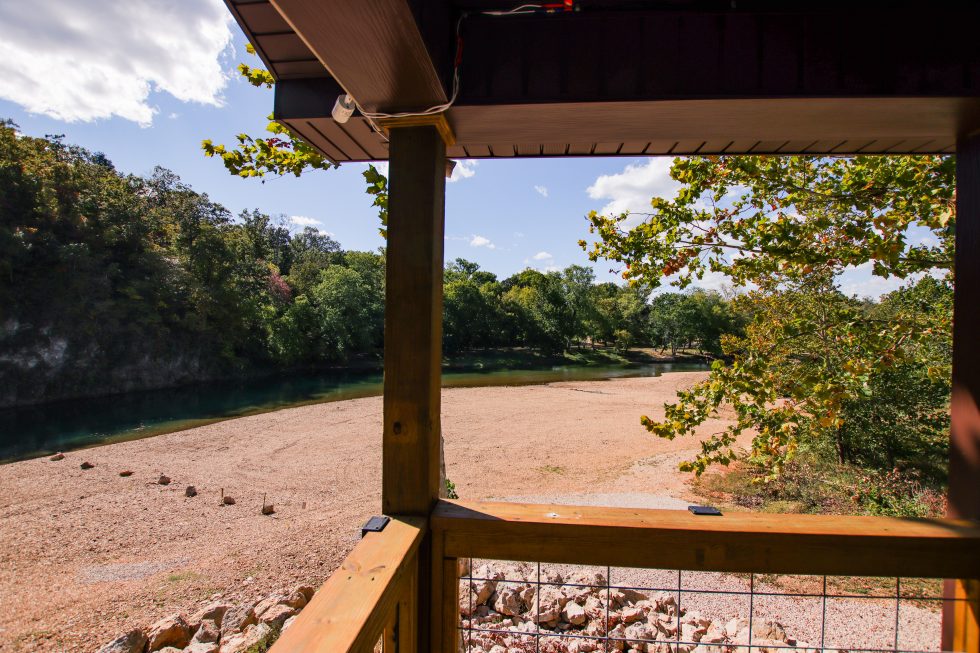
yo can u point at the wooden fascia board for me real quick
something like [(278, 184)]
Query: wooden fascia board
[(373, 49)]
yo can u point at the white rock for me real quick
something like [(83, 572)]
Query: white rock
[(573, 613), (132, 642)]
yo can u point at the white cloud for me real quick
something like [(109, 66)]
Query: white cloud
[(480, 241), (541, 190), (542, 256), (465, 168), (80, 61), (518, 234), (634, 187), (303, 221)]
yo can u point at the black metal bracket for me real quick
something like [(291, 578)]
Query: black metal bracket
[(375, 525), (704, 510)]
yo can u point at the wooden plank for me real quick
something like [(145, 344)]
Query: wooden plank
[(444, 605), (961, 618), (580, 148), (413, 321), (634, 147), (960, 626), (477, 151), (736, 542), (689, 146), (373, 49), (606, 148), (352, 609), (528, 149), (502, 149)]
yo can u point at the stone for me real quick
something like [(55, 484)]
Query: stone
[(170, 649), (276, 615), (771, 630), (190, 491), (307, 590), (507, 601), (484, 582), (573, 613), (692, 633), (86, 465), (202, 647), (295, 599), (289, 622), (169, 631), (227, 500), (132, 642), (212, 612), (629, 615), (126, 472), (262, 606), (238, 618), (207, 633), (59, 456), (268, 509), (735, 626), (163, 480), (253, 636)]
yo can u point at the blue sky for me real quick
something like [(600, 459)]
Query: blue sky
[(146, 82)]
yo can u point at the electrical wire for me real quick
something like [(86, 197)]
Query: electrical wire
[(457, 61)]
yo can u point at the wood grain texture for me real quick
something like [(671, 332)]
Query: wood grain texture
[(413, 321), (735, 542), (961, 622), (373, 49), (361, 600)]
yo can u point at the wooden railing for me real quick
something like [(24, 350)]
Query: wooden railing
[(371, 598), (375, 590)]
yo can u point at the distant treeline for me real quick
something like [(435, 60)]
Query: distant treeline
[(113, 282)]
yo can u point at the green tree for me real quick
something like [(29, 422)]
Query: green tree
[(805, 373)]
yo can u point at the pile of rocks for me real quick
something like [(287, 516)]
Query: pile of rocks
[(570, 610), (218, 627)]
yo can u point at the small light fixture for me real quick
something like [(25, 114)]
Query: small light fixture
[(343, 108)]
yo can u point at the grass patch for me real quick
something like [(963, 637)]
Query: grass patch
[(183, 576), (552, 469), (810, 485)]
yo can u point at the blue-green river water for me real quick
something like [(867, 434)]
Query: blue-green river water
[(62, 426)]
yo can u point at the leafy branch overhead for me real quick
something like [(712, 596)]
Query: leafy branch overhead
[(816, 371), (279, 154), (284, 154)]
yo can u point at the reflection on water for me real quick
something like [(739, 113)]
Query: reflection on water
[(34, 431)]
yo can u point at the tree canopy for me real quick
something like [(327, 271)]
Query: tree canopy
[(815, 370)]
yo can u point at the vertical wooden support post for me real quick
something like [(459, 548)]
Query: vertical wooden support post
[(961, 622), (411, 478), (413, 321)]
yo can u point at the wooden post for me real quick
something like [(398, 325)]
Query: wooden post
[(960, 621), (411, 472), (413, 321)]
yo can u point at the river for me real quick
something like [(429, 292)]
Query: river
[(38, 430)]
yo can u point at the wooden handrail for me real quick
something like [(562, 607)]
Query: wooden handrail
[(364, 596), (735, 542)]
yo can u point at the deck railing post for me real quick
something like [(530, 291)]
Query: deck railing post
[(960, 619), (411, 456)]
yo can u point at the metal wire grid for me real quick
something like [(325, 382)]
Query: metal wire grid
[(606, 642)]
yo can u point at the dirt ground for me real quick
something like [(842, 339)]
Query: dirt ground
[(87, 554)]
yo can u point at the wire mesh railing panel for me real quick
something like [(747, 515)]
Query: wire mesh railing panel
[(523, 607)]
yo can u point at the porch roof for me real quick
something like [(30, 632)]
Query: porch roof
[(620, 77)]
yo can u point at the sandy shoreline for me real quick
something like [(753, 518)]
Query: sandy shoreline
[(87, 554)]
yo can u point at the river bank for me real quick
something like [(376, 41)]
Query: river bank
[(86, 554), (32, 431)]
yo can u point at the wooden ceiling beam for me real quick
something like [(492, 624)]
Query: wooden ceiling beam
[(374, 50)]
